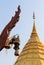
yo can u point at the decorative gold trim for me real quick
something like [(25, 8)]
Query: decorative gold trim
[(29, 58), (38, 45), (31, 53)]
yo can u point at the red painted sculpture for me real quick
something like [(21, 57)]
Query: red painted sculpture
[(6, 32)]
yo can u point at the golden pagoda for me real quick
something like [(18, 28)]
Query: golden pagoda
[(33, 52)]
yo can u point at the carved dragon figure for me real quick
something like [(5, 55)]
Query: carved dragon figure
[(6, 32)]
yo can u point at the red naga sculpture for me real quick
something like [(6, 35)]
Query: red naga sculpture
[(6, 32)]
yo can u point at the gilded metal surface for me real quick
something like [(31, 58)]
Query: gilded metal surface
[(33, 52)]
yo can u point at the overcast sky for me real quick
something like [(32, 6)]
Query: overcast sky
[(25, 24)]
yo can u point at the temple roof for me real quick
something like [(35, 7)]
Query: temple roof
[(33, 52)]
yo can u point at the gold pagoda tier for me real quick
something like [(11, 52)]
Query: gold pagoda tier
[(33, 52)]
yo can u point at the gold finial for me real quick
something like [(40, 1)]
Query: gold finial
[(33, 15), (34, 18), (34, 26)]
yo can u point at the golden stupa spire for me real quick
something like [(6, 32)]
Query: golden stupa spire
[(33, 52), (34, 35), (34, 26)]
